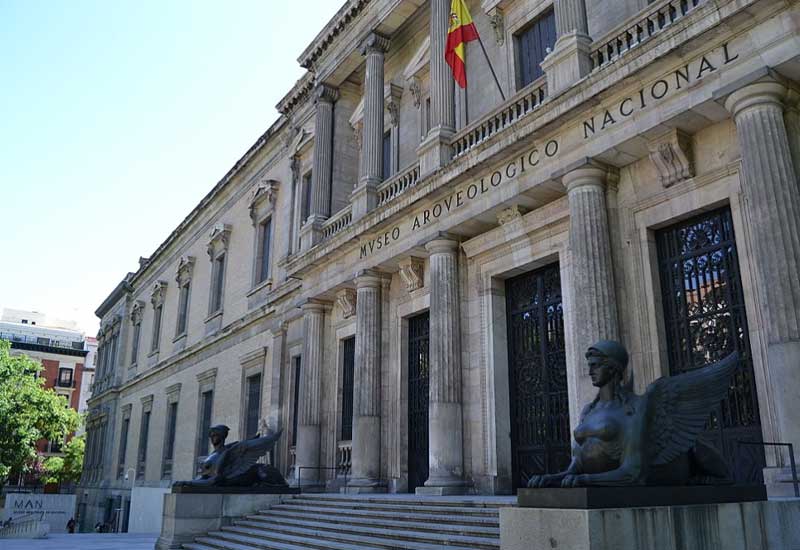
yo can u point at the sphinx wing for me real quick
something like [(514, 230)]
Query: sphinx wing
[(240, 456), (678, 408)]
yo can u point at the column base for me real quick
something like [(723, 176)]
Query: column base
[(311, 232), (443, 490), (364, 197), (307, 457), (435, 151), (568, 63), (779, 482), (364, 487)]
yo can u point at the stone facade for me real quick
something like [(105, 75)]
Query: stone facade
[(316, 236)]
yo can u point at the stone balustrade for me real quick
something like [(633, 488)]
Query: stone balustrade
[(397, 184), (337, 223), (633, 32), (525, 102), (344, 454)]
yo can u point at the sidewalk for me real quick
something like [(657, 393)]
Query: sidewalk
[(88, 541)]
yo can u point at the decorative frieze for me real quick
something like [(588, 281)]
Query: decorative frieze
[(412, 273), (346, 300), (673, 157)]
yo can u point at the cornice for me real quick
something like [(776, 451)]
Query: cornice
[(297, 95), (333, 29)]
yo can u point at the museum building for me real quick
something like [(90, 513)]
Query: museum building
[(404, 275)]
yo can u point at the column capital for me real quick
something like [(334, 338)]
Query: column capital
[(758, 93), (314, 305), (374, 43), (369, 278), (441, 244), (326, 93), (585, 173)]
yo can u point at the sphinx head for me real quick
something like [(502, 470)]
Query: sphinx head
[(607, 362), (217, 434)]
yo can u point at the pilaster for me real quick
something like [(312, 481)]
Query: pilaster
[(569, 61)]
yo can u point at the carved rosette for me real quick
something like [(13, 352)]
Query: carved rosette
[(411, 272), (346, 300), (672, 156)]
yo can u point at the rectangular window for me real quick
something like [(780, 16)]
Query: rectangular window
[(296, 399), (348, 372), (137, 331), (43, 341), (123, 447), (206, 405), (64, 378), (183, 308), (112, 360), (387, 155), (217, 283), (156, 328), (253, 406), (265, 239), (532, 45), (144, 432), (169, 441), (306, 206)]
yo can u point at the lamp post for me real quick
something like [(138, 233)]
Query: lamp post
[(133, 484)]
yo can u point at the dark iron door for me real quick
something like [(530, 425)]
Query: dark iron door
[(348, 376), (418, 399), (705, 320), (539, 406)]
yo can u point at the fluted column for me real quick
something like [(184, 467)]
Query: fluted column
[(446, 453), (322, 170), (308, 422), (569, 61), (366, 458), (371, 166), (435, 150), (769, 185), (591, 271)]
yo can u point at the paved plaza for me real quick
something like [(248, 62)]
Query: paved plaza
[(89, 541)]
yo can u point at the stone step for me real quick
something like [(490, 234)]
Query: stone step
[(323, 539), (444, 510), (266, 541), (374, 516), (338, 522), (461, 501), (216, 543), (342, 531)]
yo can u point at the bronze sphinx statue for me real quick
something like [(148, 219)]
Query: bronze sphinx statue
[(651, 439), (236, 464)]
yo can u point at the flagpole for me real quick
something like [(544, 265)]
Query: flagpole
[(483, 49)]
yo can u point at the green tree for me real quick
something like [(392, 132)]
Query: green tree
[(28, 412)]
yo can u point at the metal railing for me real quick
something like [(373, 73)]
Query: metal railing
[(623, 39), (525, 102), (792, 463), (397, 184)]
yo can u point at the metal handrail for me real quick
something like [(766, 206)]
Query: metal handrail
[(317, 468), (791, 459)]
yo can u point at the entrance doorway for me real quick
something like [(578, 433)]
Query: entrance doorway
[(539, 406), (705, 320), (418, 399)]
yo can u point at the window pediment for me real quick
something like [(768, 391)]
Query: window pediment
[(219, 239), (185, 269), (158, 293), (137, 312), (263, 198)]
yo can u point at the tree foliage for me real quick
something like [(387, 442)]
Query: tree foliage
[(66, 469), (28, 412)]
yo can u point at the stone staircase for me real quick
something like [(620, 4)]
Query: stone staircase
[(364, 522)]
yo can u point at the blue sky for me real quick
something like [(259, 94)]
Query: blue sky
[(116, 118)]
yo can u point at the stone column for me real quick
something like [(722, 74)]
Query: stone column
[(322, 170), (569, 61), (591, 270), (308, 422), (445, 414), (435, 150), (769, 186), (366, 458), (365, 196)]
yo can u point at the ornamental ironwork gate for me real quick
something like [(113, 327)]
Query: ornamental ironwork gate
[(705, 320), (418, 399), (539, 406)]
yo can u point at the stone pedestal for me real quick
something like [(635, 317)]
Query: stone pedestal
[(766, 525), (569, 61), (188, 516)]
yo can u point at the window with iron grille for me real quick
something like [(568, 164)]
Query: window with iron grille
[(295, 399), (348, 375), (123, 447), (137, 332), (206, 405), (144, 433), (156, 327), (183, 307), (169, 442), (265, 240), (217, 283), (253, 405), (532, 45)]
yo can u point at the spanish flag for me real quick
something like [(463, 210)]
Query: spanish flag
[(461, 31)]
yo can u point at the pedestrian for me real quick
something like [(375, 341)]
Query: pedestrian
[(71, 525)]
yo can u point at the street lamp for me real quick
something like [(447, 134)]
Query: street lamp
[(133, 484)]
